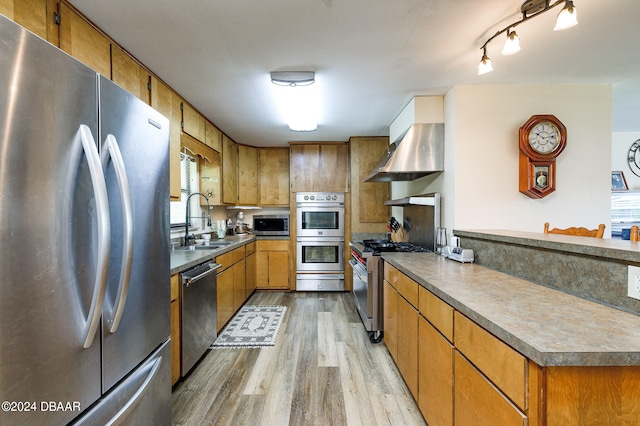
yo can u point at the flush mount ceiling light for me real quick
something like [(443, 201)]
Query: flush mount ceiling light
[(293, 78), (298, 98), (567, 18)]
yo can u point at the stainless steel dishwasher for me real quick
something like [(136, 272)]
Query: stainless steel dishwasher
[(199, 312)]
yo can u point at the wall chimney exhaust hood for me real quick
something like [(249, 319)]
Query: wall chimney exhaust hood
[(417, 153)]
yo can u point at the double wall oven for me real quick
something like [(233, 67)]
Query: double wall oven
[(319, 241)]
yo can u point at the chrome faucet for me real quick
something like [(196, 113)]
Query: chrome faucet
[(186, 224)]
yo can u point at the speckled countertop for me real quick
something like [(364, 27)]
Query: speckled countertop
[(548, 326), (185, 259)]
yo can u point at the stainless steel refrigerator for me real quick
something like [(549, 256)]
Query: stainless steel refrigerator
[(84, 256)]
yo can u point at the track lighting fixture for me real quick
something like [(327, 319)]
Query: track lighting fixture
[(567, 18)]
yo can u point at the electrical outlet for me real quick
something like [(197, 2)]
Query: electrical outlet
[(633, 290)]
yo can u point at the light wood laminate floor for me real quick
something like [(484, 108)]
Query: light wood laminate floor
[(322, 371)]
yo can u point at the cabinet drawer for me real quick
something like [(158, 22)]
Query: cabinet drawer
[(505, 367), (175, 287), (238, 254), (478, 402), (408, 288), (272, 245), (436, 312), (250, 248), (225, 260), (391, 274)]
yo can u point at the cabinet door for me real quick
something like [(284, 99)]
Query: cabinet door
[(262, 269), (334, 168), (193, 122), (279, 269), (229, 171), (82, 41), (31, 14), (478, 402), (320, 167), (175, 341), (239, 285), (408, 344), (247, 175), (435, 375), (212, 136), (225, 297), (390, 301), (129, 74), (368, 212), (250, 275), (273, 172), (167, 103)]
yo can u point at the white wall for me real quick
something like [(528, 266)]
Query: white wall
[(621, 143), (480, 190)]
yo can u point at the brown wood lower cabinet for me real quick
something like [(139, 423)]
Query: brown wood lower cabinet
[(390, 302), (408, 344), (272, 264), (231, 293), (467, 376), (435, 375), (175, 328), (478, 402)]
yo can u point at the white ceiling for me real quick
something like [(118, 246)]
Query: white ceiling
[(370, 56)]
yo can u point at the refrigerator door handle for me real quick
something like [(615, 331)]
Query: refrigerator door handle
[(130, 405), (104, 231), (113, 151)]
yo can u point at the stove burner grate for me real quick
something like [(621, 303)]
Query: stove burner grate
[(378, 246)]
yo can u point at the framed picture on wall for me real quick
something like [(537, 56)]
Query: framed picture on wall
[(618, 182)]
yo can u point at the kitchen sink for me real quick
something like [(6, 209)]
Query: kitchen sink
[(213, 246)]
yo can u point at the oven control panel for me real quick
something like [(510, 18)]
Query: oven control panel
[(319, 197)]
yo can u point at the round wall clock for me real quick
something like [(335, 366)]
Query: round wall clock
[(633, 157), (542, 139)]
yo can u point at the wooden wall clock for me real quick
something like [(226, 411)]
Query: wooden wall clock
[(542, 139)]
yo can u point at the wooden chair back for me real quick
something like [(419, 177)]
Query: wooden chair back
[(634, 233), (578, 231)]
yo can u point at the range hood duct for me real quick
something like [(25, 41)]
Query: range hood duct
[(417, 153)]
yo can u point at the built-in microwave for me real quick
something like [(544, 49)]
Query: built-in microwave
[(271, 224)]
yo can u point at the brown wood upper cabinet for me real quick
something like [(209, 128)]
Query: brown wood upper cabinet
[(85, 43), (212, 136), (319, 167), (129, 74), (368, 212), (273, 167), (193, 122), (167, 102), (34, 15), (247, 175), (229, 171)]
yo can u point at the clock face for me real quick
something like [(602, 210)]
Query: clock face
[(544, 138)]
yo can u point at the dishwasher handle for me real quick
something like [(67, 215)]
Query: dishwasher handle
[(200, 272)]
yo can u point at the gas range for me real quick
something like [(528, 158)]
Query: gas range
[(366, 263)]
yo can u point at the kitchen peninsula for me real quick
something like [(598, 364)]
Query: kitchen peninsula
[(518, 351)]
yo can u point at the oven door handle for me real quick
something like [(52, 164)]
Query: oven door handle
[(356, 268)]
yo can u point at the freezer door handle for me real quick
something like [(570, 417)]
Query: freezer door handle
[(112, 150), (130, 405), (104, 231)]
